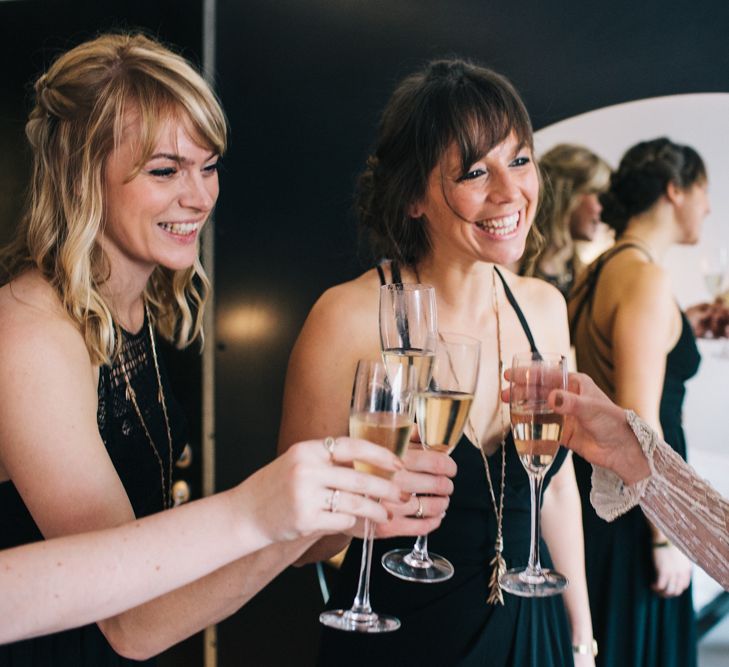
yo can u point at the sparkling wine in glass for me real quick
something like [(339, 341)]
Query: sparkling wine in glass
[(408, 327), (537, 431), (714, 268), (441, 411), (381, 412)]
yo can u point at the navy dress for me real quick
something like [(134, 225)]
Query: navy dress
[(634, 626), (138, 469), (450, 623)]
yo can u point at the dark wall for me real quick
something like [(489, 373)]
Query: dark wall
[(303, 82), (32, 33)]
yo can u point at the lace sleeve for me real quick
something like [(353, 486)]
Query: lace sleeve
[(685, 507)]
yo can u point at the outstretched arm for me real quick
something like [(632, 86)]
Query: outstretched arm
[(70, 581), (634, 466)]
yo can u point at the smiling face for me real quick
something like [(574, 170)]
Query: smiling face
[(154, 218), (584, 220), (485, 213)]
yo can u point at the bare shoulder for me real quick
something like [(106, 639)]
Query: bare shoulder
[(345, 312), (535, 296), (545, 310), (643, 284), (34, 329)]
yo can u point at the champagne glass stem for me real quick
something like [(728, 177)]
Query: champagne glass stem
[(420, 550), (535, 484), (361, 604)]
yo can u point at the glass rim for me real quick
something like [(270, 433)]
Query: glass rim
[(528, 357), (406, 287)]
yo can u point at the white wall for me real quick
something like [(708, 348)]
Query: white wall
[(702, 121)]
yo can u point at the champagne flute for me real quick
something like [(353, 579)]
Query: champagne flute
[(714, 265), (441, 411), (381, 412), (714, 268), (537, 431), (408, 327)]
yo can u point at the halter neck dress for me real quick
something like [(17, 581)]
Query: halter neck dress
[(139, 471), (450, 623), (634, 626)]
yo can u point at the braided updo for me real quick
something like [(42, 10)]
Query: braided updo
[(643, 175)]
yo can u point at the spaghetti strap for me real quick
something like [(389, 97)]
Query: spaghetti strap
[(522, 320), (394, 271)]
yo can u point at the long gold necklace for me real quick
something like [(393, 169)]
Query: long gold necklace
[(132, 398), (497, 563)]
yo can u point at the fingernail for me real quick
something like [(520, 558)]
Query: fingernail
[(558, 400), (442, 516), (404, 497), (390, 515)]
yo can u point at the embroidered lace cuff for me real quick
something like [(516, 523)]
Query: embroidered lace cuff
[(686, 508), (610, 496)]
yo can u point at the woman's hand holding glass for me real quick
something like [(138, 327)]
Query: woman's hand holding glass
[(312, 488)]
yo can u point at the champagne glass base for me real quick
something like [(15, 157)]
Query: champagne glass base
[(403, 565), (518, 581), (352, 621)]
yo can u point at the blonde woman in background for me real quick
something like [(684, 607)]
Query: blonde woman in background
[(126, 138), (569, 211)]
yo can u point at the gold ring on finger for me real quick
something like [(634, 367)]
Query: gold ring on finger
[(419, 511), (333, 501)]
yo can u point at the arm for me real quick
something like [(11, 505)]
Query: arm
[(562, 528), (562, 513), (69, 485), (632, 465), (644, 328), (342, 328)]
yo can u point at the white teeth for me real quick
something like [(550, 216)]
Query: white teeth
[(500, 226), (181, 228)]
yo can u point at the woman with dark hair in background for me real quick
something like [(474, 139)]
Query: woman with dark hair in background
[(569, 211), (631, 337), (449, 193)]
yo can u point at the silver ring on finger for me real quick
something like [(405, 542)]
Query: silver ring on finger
[(419, 511), (329, 443), (333, 501)]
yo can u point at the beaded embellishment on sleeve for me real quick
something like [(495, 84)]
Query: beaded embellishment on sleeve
[(685, 507)]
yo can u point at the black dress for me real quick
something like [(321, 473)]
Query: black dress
[(450, 623), (634, 627), (139, 471)]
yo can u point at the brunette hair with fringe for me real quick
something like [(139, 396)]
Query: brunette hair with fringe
[(77, 120), (448, 101)]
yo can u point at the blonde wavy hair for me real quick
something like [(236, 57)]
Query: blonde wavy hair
[(568, 172), (77, 121)]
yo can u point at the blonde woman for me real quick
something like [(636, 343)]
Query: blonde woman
[(569, 211), (126, 138)]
